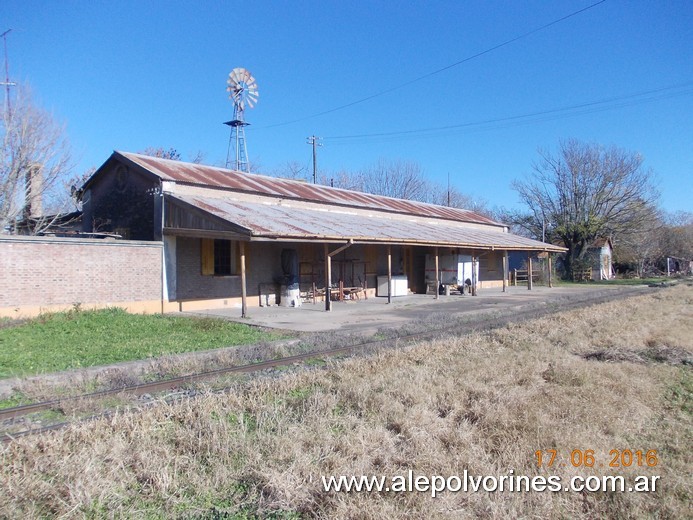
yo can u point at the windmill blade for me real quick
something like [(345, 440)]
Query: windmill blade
[(242, 88)]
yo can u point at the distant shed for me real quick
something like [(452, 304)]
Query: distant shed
[(600, 256)]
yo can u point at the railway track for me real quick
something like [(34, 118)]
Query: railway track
[(484, 323)]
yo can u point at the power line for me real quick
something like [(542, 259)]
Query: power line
[(447, 67), (543, 115)]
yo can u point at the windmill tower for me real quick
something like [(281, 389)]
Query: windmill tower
[(243, 92)]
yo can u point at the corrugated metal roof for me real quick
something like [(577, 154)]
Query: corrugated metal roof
[(302, 223), (211, 176)]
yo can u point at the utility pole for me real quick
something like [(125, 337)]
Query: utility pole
[(313, 140), (7, 83), (448, 189)]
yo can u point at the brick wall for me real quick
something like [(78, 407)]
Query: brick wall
[(48, 271)]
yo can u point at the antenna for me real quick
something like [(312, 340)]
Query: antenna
[(243, 92), (7, 83)]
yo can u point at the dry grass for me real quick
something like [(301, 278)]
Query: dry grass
[(484, 403)]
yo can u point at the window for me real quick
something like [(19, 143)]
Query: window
[(219, 257)]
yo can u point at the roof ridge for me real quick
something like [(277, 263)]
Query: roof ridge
[(311, 191)]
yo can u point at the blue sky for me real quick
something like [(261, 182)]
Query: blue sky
[(131, 74)]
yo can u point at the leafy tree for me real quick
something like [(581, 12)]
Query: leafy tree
[(587, 191), (35, 161)]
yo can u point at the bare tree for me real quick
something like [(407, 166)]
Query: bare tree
[(585, 192), (172, 154), (677, 236), (343, 179), (35, 161), (291, 170), (454, 198), (399, 179), (162, 153), (641, 248)]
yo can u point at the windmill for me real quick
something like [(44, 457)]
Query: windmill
[(243, 92)]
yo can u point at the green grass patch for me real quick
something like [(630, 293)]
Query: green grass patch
[(75, 339), (16, 399)]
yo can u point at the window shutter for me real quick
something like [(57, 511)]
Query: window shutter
[(207, 255), (236, 258)]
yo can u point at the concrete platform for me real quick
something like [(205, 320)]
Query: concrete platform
[(367, 316)]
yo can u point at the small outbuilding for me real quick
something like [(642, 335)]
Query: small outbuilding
[(600, 258)]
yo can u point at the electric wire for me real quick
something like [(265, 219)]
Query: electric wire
[(438, 71), (589, 107)]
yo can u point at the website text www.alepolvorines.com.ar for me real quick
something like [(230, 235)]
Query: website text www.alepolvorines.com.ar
[(436, 484)]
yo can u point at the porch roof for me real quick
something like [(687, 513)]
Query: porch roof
[(292, 221)]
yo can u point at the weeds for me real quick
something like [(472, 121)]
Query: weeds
[(484, 403)]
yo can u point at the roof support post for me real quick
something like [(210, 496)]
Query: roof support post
[(437, 297), (529, 270), (389, 274), (328, 279), (505, 271), (548, 256), (328, 271), (244, 292), (475, 261)]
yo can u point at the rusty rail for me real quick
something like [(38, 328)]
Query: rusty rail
[(489, 323)]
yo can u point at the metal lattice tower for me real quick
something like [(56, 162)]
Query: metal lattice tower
[(243, 92)]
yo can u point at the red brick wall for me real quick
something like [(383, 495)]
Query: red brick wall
[(36, 271)]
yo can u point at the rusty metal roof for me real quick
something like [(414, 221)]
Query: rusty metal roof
[(295, 222), (210, 176)]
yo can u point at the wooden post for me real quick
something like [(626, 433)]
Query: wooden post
[(505, 271), (437, 275), (389, 274), (548, 255), (244, 292), (328, 279), (474, 261), (529, 272)]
